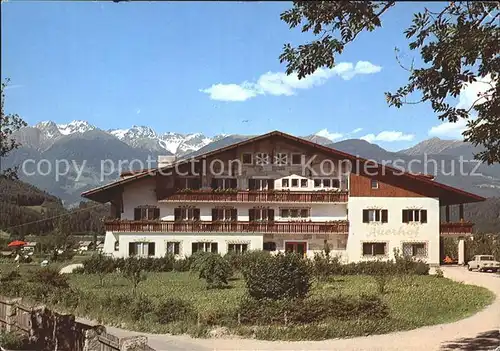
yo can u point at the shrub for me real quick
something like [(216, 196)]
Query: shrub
[(310, 310), (277, 277), (439, 273), (182, 265), (140, 307), (235, 260), (10, 277), (172, 310), (14, 341), (213, 268), (325, 265), (132, 270), (382, 280), (50, 278)]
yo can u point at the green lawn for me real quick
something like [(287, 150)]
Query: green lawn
[(414, 301)]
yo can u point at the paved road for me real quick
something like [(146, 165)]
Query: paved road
[(476, 333)]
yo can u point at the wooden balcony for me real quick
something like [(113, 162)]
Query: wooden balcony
[(456, 228), (257, 196), (334, 227)]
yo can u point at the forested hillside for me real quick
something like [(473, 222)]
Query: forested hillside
[(26, 210)]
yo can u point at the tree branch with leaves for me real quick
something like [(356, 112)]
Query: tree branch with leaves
[(458, 45), (9, 123)]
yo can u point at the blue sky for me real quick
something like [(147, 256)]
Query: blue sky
[(169, 65)]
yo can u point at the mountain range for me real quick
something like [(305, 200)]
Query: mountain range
[(86, 145)]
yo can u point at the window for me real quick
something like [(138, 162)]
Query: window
[(117, 245), (375, 216), (173, 247), (224, 183), (260, 184), (296, 159), (295, 183), (303, 183), (188, 183), (415, 249), (291, 213), (141, 249), (204, 247), (374, 184), (186, 214), (374, 249), (261, 158), (246, 158), (224, 214), (260, 214), (269, 246), (281, 159), (146, 213), (285, 183), (410, 216), (326, 183), (239, 248)]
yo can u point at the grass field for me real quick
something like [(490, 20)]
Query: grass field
[(413, 301)]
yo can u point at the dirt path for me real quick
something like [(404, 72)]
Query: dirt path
[(476, 333)]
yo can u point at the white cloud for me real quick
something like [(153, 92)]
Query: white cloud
[(469, 95), (138, 111), (449, 130), (326, 134), (470, 92), (279, 83), (356, 131), (388, 136), (230, 92)]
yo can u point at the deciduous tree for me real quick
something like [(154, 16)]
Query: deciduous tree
[(458, 45), (9, 123)]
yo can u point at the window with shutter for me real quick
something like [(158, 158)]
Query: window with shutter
[(377, 216), (270, 184), (214, 247), (196, 214), (405, 216), (234, 214), (252, 184), (214, 184), (131, 249), (177, 214), (251, 214), (137, 214), (385, 215), (423, 216), (151, 249), (156, 213), (365, 216), (270, 214)]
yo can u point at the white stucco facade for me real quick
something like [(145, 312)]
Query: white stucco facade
[(394, 233)]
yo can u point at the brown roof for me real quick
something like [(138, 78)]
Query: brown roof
[(470, 197)]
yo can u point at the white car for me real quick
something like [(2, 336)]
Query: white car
[(483, 263)]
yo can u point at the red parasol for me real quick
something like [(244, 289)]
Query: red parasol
[(16, 243)]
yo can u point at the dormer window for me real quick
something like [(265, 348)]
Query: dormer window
[(374, 184)]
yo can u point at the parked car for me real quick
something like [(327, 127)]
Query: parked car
[(484, 263)]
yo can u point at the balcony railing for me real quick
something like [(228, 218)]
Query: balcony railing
[(334, 227), (258, 196), (455, 228)]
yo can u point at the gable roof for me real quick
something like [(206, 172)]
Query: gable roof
[(427, 179)]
